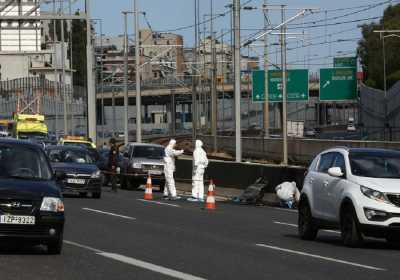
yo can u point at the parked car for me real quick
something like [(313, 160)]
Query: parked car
[(141, 160), (79, 165), (31, 203), (354, 190)]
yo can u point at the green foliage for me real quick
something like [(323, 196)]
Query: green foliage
[(79, 51), (371, 51)]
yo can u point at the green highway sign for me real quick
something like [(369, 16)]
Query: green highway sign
[(345, 62), (297, 85), (338, 84), (258, 82)]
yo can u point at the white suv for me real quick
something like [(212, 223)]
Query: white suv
[(355, 190)]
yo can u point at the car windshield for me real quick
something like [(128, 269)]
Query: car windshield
[(78, 144), (35, 136), (148, 152), (375, 165), (71, 156), (23, 162)]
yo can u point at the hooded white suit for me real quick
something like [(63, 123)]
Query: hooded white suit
[(169, 168), (200, 163)]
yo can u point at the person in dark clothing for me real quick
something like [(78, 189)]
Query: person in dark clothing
[(113, 164)]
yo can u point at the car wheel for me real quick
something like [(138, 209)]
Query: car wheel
[(83, 194), (132, 184), (55, 247), (96, 195), (306, 226), (123, 182), (351, 235), (393, 240)]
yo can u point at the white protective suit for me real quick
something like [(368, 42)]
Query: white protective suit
[(200, 163), (288, 191), (169, 168)]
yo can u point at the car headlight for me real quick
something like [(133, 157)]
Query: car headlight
[(374, 194), (52, 204), (137, 165), (96, 174)]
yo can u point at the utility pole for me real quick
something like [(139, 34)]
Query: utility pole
[(238, 93), (102, 80), (194, 78), (284, 89), (266, 68), (55, 70), (64, 95), (138, 89), (126, 97), (214, 97), (90, 86)]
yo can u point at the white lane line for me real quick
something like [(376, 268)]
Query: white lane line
[(294, 225), (149, 266), (320, 257), (108, 213), (160, 203), (138, 263), (283, 209)]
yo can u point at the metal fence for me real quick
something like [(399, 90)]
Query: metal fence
[(39, 95)]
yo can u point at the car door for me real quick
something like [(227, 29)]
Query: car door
[(320, 180), (334, 188)]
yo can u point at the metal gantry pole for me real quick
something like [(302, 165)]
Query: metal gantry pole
[(102, 80), (90, 81), (238, 93), (63, 93), (284, 90), (214, 96), (266, 68), (138, 89), (194, 78), (126, 98)]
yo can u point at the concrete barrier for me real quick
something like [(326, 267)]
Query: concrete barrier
[(301, 151), (241, 175)]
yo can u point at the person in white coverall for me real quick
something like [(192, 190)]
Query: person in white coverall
[(288, 193), (169, 169), (200, 163)]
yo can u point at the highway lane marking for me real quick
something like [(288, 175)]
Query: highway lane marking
[(294, 225), (109, 213), (160, 203), (138, 263), (320, 257)]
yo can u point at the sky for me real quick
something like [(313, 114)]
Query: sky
[(310, 48)]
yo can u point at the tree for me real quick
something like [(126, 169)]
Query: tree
[(371, 52), (79, 51)]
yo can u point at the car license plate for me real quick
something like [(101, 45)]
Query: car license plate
[(17, 220), (76, 181), (155, 172)]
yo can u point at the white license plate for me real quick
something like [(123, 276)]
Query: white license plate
[(155, 172), (17, 220), (76, 181)]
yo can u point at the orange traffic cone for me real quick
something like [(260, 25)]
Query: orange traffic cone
[(210, 201), (148, 192)]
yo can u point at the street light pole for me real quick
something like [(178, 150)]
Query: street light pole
[(194, 78), (266, 68), (138, 89), (126, 98), (214, 97), (284, 90), (90, 81), (238, 93)]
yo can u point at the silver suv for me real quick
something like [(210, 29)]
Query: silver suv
[(354, 190), (141, 160)]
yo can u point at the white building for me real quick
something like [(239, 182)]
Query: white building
[(20, 36)]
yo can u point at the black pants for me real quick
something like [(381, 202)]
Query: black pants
[(113, 179)]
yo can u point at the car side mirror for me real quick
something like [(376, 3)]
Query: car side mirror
[(60, 175), (335, 172)]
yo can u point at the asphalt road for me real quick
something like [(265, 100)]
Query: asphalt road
[(123, 237)]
